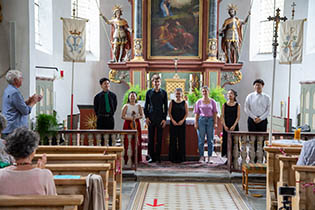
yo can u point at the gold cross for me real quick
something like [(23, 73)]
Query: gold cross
[(277, 20), (293, 9)]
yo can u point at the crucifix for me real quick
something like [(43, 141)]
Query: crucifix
[(293, 9), (275, 44)]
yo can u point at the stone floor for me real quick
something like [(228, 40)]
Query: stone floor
[(130, 184), (190, 171)]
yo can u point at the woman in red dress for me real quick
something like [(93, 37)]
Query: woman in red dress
[(132, 113)]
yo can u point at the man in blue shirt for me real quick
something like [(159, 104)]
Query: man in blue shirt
[(14, 108), (307, 155)]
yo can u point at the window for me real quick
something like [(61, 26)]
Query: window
[(43, 25), (37, 23), (266, 9), (88, 9)]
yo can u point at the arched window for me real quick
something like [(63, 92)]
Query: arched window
[(88, 9), (267, 8), (43, 25), (261, 29)]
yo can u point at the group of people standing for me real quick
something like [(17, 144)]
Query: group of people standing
[(156, 109)]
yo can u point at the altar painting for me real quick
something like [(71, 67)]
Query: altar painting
[(174, 28)]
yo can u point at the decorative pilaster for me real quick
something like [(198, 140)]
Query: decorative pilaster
[(212, 37), (138, 43)]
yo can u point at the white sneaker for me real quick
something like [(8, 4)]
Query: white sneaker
[(202, 159), (210, 161)]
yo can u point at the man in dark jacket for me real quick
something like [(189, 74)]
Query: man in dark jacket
[(155, 110), (105, 104)]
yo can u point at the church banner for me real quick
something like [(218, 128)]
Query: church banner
[(291, 41), (74, 40)]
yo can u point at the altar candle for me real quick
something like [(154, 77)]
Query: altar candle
[(201, 84), (190, 82)]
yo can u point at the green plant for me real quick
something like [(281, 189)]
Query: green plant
[(194, 96), (218, 95), (140, 93), (46, 125), (215, 93)]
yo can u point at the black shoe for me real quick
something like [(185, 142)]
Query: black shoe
[(147, 157)]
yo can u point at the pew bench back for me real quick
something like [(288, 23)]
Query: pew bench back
[(37, 202)]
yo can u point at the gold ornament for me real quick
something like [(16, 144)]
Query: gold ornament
[(232, 6)]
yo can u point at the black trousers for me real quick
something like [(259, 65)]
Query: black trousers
[(105, 123), (177, 145), (155, 154), (252, 126)]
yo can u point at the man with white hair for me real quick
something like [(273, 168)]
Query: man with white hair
[(14, 108)]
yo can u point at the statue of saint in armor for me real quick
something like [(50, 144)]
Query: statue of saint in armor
[(232, 35), (120, 35)]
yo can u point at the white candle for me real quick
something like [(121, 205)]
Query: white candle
[(190, 82), (201, 84)]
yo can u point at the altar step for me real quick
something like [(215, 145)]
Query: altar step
[(176, 176)]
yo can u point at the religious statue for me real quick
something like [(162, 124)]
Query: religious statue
[(232, 35), (120, 35)]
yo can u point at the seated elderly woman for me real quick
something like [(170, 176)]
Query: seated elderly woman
[(307, 155), (23, 178), (5, 158)]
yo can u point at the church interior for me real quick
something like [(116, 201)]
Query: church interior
[(191, 51)]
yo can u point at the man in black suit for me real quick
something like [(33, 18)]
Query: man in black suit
[(105, 104)]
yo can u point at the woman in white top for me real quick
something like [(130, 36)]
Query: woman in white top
[(24, 178), (132, 113)]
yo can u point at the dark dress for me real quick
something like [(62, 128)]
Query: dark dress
[(230, 115), (177, 133)]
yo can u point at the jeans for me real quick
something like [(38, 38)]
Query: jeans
[(205, 127)]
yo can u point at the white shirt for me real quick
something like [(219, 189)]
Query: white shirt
[(257, 105), (132, 109), (307, 156)]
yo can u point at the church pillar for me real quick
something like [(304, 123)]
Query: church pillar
[(138, 41), (138, 73), (212, 33)]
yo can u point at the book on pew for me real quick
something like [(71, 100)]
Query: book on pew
[(67, 177)]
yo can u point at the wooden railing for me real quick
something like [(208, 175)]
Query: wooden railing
[(242, 149), (97, 138)]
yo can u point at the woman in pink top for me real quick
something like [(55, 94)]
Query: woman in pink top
[(205, 122), (23, 178)]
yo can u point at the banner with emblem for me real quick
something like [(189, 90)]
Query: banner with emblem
[(74, 40), (291, 41)]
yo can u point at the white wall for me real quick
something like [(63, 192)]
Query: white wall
[(253, 69), (86, 75), (19, 14)]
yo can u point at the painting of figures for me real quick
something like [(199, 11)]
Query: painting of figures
[(174, 28)]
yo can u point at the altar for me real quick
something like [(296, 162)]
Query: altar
[(188, 57)]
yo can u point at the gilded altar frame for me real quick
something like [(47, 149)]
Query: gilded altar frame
[(152, 48)]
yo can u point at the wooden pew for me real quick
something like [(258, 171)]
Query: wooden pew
[(101, 169), (36, 202), (88, 158), (119, 151), (305, 184), (287, 174), (273, 171)]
